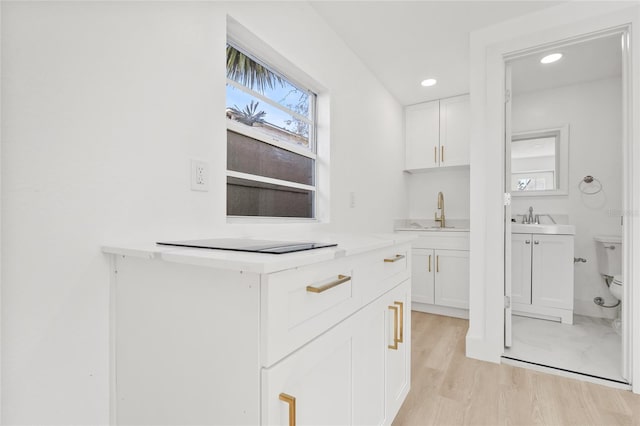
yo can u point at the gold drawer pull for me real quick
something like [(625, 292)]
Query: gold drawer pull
[(395, 328), (429, 263), (438, 263), (291, 400), (341, 279), (435, 154), (442, 154), (401, 314), (395, 259)]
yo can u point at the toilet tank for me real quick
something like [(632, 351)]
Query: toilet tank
[(609, 254)]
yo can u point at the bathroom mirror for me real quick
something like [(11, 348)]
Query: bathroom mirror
[(540, 162)]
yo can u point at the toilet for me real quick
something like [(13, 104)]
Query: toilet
[(609, 255)]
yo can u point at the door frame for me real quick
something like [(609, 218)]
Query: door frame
[(485, 337), (624, 32)]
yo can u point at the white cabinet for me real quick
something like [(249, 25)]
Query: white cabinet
[(440, 273), (398, 364), (542, 275), (361, 366), (422, 135), (197, 344), (441, 277), (437, 133), (452, 278)]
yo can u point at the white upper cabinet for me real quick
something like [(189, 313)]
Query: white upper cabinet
[(455, 120), (422, 135), (437, 133)]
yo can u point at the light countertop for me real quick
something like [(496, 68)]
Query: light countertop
[(430, 225), (348, 245)]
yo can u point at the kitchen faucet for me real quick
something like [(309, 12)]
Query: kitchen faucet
[(441, 208)]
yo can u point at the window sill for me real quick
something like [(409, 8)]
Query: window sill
[(269, 220)]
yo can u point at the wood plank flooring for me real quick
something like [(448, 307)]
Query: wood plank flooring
[(449, 389)]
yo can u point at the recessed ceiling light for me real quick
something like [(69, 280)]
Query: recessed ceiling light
[(551, 58), (429, 82)]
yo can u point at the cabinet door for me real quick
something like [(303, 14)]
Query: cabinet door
[(455, 123), (452, 278), (319, 377), (369, 365), (422, 273), (521, 268), (552, 271), (398, 337), (422, 122)]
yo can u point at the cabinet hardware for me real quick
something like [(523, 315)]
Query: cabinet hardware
[(401, 314), (442, 154), (341, 279), (536, 242), (395, 258), (435, 154), (438, 263), (429, 263), (527, 242), (291, 400), (395, 328)]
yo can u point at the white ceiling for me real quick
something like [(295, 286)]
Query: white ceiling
[(580, 63), (404, 42)]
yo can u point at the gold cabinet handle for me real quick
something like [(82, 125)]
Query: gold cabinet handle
[(401, 314), (429, 263), (341, 279), (438, 263), (291, 400), (395, 258), (435, 154), (394, 308), (442, 154)]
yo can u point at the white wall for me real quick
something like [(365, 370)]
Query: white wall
[(593, 112), (423, 191), (103, 105)]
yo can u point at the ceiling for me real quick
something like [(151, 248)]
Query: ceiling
[(580, 63), (405, 42)]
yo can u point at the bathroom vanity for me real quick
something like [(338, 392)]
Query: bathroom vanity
[(542, 271), (440, 269), (220, 337)]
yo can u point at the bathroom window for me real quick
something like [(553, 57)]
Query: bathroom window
[(271, 140)]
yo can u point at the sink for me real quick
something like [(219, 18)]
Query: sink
[(523, 228)]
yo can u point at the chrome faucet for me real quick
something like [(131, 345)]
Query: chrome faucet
[(441, 208), (530, 219)]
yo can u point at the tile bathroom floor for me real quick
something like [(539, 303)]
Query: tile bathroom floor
[(589, 346)]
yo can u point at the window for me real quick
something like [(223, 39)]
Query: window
[(271, 145)]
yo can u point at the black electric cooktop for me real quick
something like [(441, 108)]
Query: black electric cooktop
[(249, 245)]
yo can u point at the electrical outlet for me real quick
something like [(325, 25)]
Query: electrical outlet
[(199, 175)]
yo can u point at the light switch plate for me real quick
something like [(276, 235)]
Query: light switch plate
[(199, 175)]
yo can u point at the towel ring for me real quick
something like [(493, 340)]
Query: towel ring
[(587, 183)]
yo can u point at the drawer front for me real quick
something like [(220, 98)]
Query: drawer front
[(300, 304), (443, 240), (384, 269)]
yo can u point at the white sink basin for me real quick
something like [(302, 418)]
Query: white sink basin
[(522, 228)]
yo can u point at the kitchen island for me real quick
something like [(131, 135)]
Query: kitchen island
[(218, 337)]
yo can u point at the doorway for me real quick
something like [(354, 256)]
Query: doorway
[(564, 168)]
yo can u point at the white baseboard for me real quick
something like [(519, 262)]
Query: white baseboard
[(440, 310)]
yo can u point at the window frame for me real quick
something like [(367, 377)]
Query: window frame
[(252, 133)]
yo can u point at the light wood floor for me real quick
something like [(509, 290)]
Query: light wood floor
[(449, 389)]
